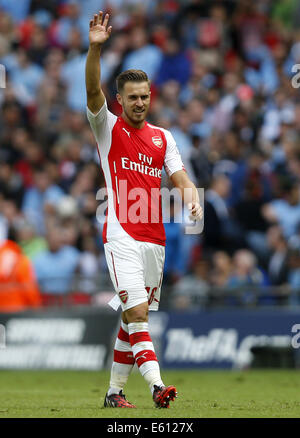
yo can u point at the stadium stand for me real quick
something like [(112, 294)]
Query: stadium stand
[(222, 82)]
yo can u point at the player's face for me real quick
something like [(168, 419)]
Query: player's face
[(135, 101)]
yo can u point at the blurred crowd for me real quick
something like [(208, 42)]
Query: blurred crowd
[(224, 82)]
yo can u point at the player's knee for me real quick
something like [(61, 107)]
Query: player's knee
[(138, 316), (138, 313)]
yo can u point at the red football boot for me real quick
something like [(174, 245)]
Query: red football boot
[(162, 395), (117, 401)]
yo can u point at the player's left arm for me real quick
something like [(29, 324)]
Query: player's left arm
[(189, 193)]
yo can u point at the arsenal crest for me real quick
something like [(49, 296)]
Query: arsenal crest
[(157, 141), (123, 294)]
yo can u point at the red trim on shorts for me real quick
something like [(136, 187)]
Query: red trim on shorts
[(145, 356), (123, 336), (113, 262), (139, 337), (125, 357)]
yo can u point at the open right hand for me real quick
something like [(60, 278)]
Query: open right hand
[(99, 32)]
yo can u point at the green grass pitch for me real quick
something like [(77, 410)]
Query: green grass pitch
[(201, 394)]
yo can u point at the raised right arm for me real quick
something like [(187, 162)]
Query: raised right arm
[(98, 34)]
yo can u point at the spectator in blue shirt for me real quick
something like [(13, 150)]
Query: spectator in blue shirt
[(260, 72), (285, 211), (56, 266), (73, 74), (175, 64), (144, 55), (245, 274), (40, 199), (25, 76)]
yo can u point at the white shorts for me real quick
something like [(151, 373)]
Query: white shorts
[(136, 270)]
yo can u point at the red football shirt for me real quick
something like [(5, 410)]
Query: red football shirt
[(132, 160)]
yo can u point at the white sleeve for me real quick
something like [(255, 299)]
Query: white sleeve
[(173, 161), (102, 124)]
